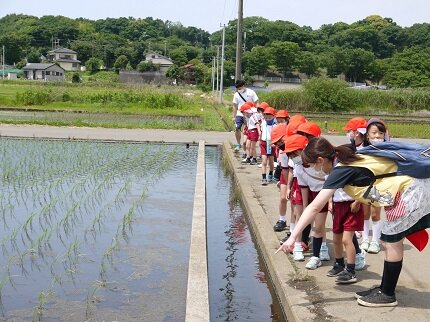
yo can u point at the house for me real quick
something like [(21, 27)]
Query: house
[(9, 72), (157, 59), (66, 58), (47, 72)]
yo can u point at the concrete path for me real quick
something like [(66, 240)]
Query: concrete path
[(305, 295)]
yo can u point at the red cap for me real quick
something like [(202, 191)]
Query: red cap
[(294, 123), (269, 110), (278, 132), (295, 142), (246, 106), (282, 113), (355, 124), (310, 128), (263, 105)]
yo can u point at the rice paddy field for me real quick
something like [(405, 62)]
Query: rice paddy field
[(93, 231)]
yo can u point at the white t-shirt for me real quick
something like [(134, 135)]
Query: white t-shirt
[(252, 121), (249, 95), (283, 160), (307, 177)]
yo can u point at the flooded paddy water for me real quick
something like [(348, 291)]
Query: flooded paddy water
[(100, 231)]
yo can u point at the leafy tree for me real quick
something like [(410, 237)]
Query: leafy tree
[(179, 56), (256, 61), (358, 62), (93, 64), (33, 56), (308, 63), (120, 63), (76, 78), (147, 66), (284, 55)]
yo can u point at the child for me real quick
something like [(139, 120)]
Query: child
[(376, 131), (282, 117), (252, 132), (267, 152), (310, 184)]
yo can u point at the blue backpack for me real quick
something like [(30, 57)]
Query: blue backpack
[(412, 159)]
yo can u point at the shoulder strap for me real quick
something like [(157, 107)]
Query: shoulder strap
[(380, 176), (242, 97)]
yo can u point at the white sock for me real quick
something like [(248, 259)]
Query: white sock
[(298, 246), (282, 218), (292, 227), (324, 243), (376, 231), (366, 229)]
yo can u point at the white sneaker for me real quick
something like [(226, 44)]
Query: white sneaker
[(324, 254), (374, 248), (365, 244), (314, 263), (298, 253), (360, 260)]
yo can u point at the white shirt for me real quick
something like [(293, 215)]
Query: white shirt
[(283, 160), (249, 95), (252, 121), (307, 177)]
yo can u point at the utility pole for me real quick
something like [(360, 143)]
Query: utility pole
[(217, 68), (3, 61), (213, 75), (221, 85), (239, 41)]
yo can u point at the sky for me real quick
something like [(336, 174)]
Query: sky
[(209, 14)]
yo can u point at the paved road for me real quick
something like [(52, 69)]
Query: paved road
[(312, 296)]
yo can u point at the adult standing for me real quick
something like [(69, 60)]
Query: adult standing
[(241, 96)]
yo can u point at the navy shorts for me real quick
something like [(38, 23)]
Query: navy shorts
[(238, 121)]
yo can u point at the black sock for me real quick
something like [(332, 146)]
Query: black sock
[(264, 176), (390, 277), (355, 242), (305, 234), (340, 261), (270, 173), (316, 246), (350, 268)]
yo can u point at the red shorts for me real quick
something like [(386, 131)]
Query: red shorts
[(312, 196), (253, 135), (296, 193), (344, 219), (263, 145), (282, 178)]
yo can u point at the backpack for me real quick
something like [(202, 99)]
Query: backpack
[(412, 159)]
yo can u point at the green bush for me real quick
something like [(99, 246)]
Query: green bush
[(76, 78), (328, 94), (34, 97)]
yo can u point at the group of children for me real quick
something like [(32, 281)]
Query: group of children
[(319, 179)]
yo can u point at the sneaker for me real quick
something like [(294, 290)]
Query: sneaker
[(365, 244), (246, 160), (313, 263), (264, 182), (244, 156), (280, 225), (346, 277), (324, 254), (298, 255), (305, 247), (283, 240), (378, 299), (374, 248), (336, 270), (237, 147), (260, 165), (361, 294), (254, 161), (270, 178), (360, 260)]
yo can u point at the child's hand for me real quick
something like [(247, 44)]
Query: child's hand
[(355, 206), (287, 246)]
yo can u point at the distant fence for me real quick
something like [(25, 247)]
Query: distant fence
[(135, 77), (277, 79)]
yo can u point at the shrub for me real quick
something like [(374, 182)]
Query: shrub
[(328, 94), (76, 78)]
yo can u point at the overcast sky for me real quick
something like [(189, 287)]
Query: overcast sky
[(208, 14)]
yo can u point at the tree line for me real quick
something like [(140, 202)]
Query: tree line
[(374, 49)]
